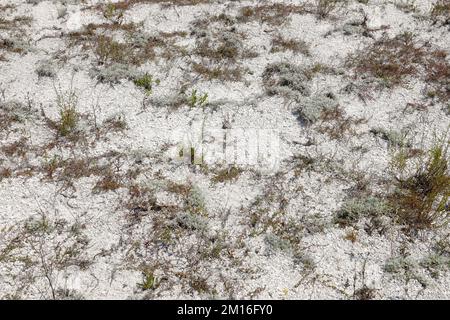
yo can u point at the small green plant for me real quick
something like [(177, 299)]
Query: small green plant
[(68, 114), (421, 199), (149, 281), (399, 160), (146, 82), (197, 100)]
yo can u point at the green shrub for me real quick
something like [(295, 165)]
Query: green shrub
[(197, 100), (146, 82)]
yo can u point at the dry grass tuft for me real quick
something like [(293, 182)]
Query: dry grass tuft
[(392, 61), (441, 11), (227, 174), (218, 72), (18, 148), (323, 8), (15, 23), (421, 200), (282, 44), (273, 14)]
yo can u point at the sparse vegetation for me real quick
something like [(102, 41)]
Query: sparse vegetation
[(227, 174), (219, 73), (323, 8), (441, 11), (392, 137), (421, 199), (109, 51), (149, 281), (273, 14), (355, 208), (68, 114), (312, 109), (146, 82), (114, 73), (285, 79), (392, 61), (197, 100), (249, 172), (282, 44)]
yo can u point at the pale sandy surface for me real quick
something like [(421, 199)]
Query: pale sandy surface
[(61, 237)]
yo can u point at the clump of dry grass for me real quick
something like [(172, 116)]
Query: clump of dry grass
[(227, 174), (441, 11), (141, 199), (108, 50), (421, 199), (109, 181), (12, 34), (17, 148), (116, 123), (5, 173), (136, 48), (392, 61), (219, 49), (438, 75), (91, 31), (8, 115), (226, 50), (124, 5), (59, 169), (416, 198), (15, 23), (389, 60), (273, 14), (323, 8), (282, 44), (224, 72), (336, 125)]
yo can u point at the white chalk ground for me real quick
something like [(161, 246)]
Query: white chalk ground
[(118, 250)]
